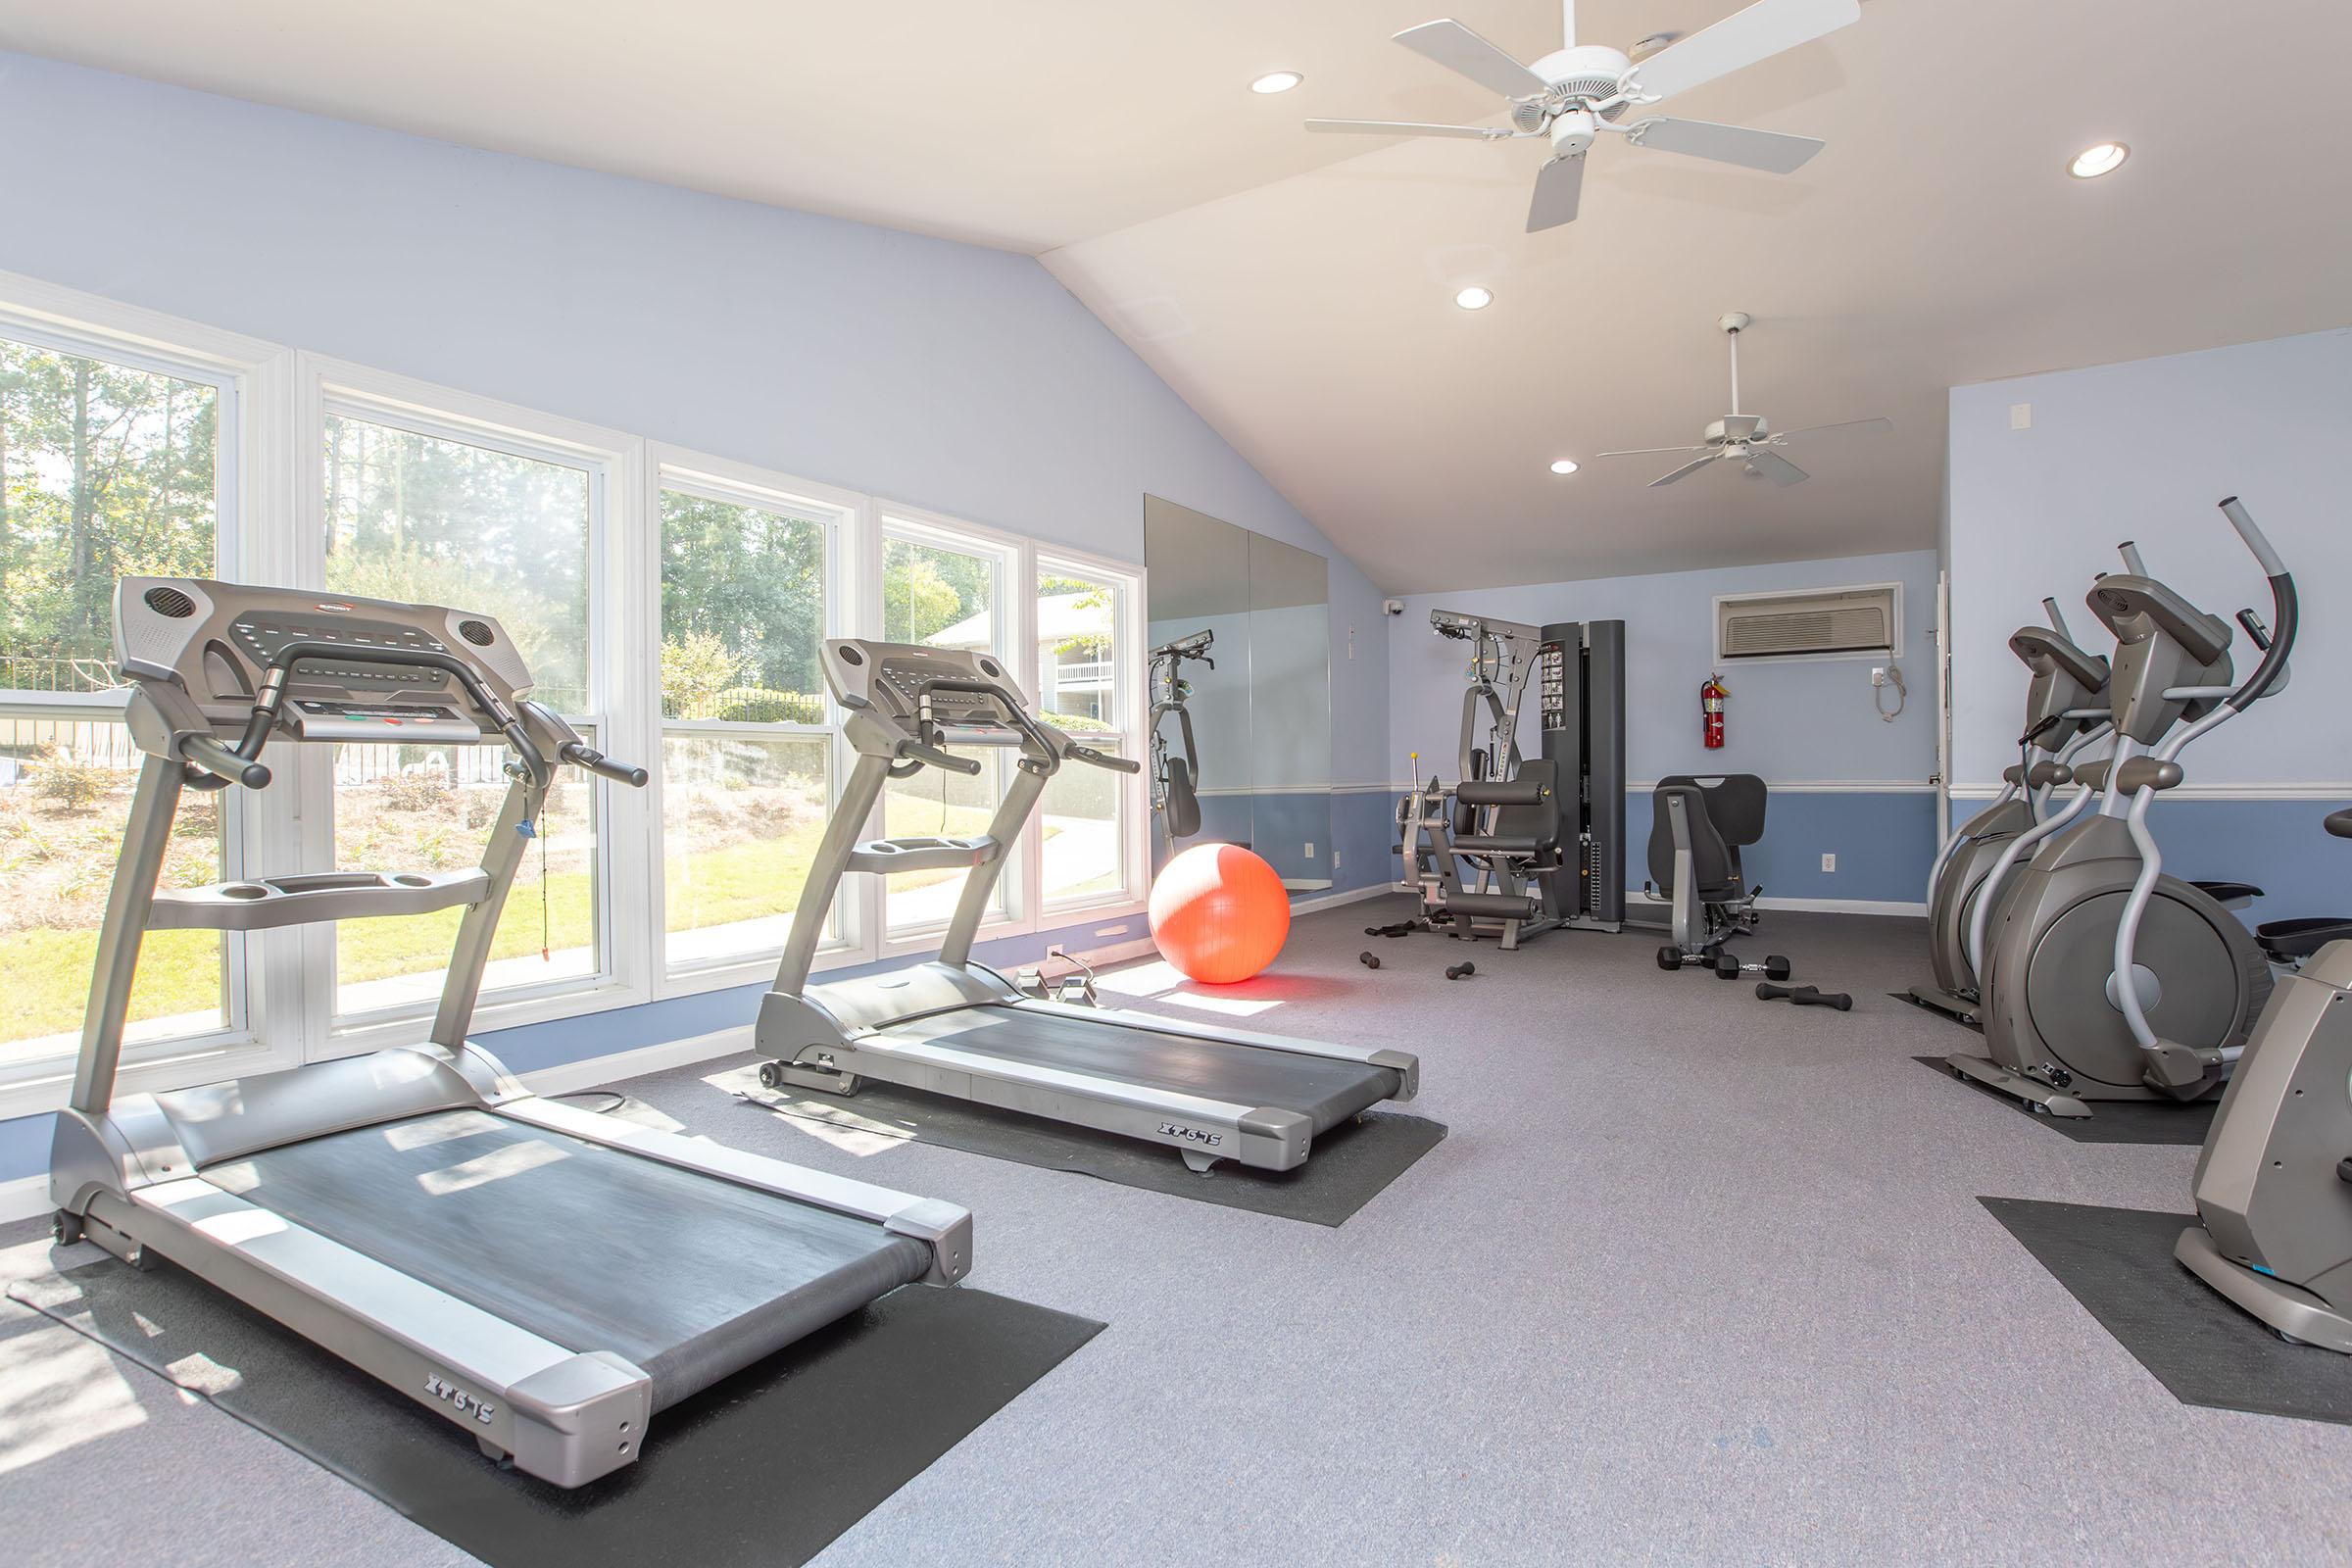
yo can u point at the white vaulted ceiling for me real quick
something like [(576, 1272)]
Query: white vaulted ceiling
[(1298, 290)]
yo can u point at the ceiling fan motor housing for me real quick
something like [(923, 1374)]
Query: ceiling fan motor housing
[(1583, 75)]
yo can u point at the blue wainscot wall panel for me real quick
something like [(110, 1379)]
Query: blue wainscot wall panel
[(1884, 839)]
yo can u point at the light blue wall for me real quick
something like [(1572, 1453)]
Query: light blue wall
[(963, 380), (2143, 451), (1796, 723)]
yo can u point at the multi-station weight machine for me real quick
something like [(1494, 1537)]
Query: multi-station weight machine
[(1518, 846)]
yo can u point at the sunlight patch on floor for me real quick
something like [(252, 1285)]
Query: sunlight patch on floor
[(1162, 981), (58, 1391)]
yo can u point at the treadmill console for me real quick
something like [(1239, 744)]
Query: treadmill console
[(214, 642), (897, 682)]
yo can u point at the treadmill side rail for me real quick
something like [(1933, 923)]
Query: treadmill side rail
[(565, 1417), (946, 1228)]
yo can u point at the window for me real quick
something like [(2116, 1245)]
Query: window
[(747, 754), (462, 517), (944, 587), (1082, 687), (671, 605), (107, 466)]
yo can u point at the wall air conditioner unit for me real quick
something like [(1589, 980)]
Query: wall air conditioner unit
[(1858, 622)]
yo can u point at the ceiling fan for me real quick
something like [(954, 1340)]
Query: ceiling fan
[(1581, 91), (1744, 438)]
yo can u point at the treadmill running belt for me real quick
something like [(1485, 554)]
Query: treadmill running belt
[(1324, 1089), (687, 1275)]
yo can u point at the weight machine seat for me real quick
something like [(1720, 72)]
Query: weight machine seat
[(2289, 941), (1498, 843), (1725, 816)]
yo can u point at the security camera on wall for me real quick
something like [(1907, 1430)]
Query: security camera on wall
[(1395, 606)]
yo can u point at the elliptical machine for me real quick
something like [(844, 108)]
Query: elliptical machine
[(2092, 947), (1175, 778), (2274, 1207), (2066, 714)]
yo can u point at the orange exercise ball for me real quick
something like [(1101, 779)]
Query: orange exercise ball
[(1219, 914)]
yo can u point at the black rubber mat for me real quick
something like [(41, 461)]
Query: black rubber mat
[(2111, 1121), (1348, 1167), (2118, 1262), (764, 1468)]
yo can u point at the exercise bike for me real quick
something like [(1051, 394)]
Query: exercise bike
[(2105, 979), (2274, 1231), (1176, 778)]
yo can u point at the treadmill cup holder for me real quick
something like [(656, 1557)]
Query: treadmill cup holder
[(263, 904)]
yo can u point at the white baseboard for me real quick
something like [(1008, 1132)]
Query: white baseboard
[(594, 1072), (1649, 907), (1332, 901)]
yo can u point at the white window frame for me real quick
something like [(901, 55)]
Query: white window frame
[(251, 379), (617, 684), (1129, 634), (272, 523), (1014, 615), (842, 513)]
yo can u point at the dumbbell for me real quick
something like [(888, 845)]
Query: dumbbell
[(1460, 971), (1804, 996), (1775, 966), (1367, 960)]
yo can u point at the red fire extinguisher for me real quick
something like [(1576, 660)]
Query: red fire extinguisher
[(1710, 706)]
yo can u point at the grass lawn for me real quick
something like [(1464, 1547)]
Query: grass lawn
[(47, 970)]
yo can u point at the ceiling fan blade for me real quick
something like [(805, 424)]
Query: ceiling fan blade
[(1651, 452), (1767, 150), (1693, 466), (1406, 127), (1739, 426), (1772, 466), (1742, 38), (1558, 187), (1856, 426), (1458, 49)]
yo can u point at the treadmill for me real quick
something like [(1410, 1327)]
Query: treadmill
[(958, 1028), (546, 1278)]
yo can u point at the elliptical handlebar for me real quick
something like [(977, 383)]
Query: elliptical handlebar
[(2284, 619)]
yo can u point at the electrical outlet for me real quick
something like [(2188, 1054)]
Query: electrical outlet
[(2021, 415), (1878, 675), (1828, 862), (1335, 859), (1310, 850)]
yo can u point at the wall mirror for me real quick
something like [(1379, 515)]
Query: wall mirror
[(1241, 693)]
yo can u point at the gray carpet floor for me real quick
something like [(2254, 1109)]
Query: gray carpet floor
[(1695, 1279)]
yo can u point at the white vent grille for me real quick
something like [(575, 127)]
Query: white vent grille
[(1829, 623)]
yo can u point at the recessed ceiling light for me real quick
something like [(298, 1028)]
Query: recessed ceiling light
[(1277, 81), (1475, 298), (2104, 159), (1564, 465)]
